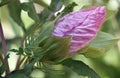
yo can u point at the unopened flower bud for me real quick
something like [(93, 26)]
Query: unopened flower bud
[(82, 25)]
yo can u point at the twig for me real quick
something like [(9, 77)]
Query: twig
[(4, 47), (18, 63), (26, 61)]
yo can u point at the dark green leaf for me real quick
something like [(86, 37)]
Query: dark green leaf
[(18, 74), (14, 50), (98, 46), (69, 8), (80, 68), (15, 12), (18, 52), (4, 2), (29, 7), (48, 12), (56, 5)]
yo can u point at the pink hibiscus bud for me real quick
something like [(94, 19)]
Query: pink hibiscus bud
[(82, 25)]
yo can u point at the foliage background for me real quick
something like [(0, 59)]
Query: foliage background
[(108, 65)]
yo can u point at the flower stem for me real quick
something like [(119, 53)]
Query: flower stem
[(4, 47)]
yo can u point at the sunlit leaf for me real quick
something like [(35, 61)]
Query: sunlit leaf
[(80, 68)]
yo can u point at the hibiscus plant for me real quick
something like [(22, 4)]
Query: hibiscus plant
[(57, 34)]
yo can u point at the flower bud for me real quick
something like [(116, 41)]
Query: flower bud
[(82, 25)]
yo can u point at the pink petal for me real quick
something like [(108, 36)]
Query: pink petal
[(82, 25)]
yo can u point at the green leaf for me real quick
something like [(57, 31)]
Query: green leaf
[(67, 2), (69, 8), (18, 74), (46, 30), (14, 50), (56, 5), (4, 65), (15, 12), (48, 12), (4, 2), (29, 7), (98, 46), (18, 52), (45, 14), (80, 68)]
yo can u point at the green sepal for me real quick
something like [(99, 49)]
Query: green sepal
[(57, 49)]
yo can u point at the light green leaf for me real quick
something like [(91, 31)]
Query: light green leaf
[(98, 46), (80, 68)]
